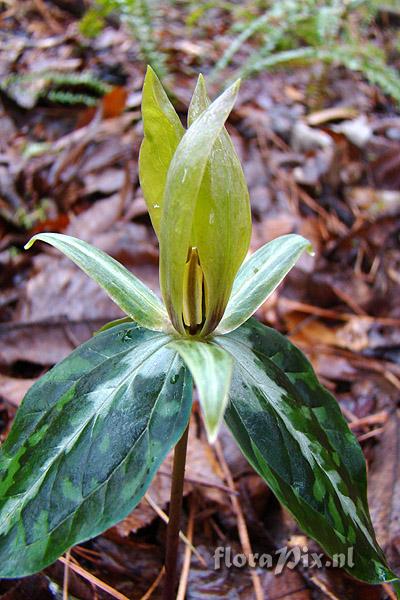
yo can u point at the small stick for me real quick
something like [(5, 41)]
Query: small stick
[(389, 591), (66, 575), (376, 419), (194, 480), (182, 536), (241, 523), (188, 554), (323, 587), (370, 434), (154, 585), (90, 577), (332, 314)]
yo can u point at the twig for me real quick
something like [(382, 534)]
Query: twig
[(330, 218), (347, 299), (370, 434), (97, 582), (154, 585), (188, 553), (332, 314), (377, 418), (66, 575), (87, 553), (194, 480), (241, 523), (389, 591), (182, 536), (351, 417), (323, 587), (363, 362), (45, 13), (395, 381)]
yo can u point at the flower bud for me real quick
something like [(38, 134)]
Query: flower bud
[(199, 204)]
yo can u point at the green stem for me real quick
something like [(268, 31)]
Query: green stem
[(175, 507)]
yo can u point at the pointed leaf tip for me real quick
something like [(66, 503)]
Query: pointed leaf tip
[(126, 290), (162, 134), (259, 276), (211, 367), (30, 243)]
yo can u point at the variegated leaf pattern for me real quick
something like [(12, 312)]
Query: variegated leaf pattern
[(86, 443), (259, 276), (211, 368), (292, 432), (127, 291)]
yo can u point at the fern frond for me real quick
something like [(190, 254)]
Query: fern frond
[(370, 62), (141, 22), (46, 84), (59, 78), (139, 16), (60, 97), (297, 33), (274, 23)]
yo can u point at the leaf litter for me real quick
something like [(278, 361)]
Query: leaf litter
[(330, 173)]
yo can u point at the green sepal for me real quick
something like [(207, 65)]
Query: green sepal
[(162, 134), (184, 180), (126, 290), (259, 276), (211, 369), (86, 442), (292, 432)]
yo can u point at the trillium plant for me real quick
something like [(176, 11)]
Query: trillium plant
[(90, 435)]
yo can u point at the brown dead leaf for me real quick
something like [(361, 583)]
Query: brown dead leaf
[(35, 587), (236, 584), (105, 182), (335, 113), (386, 169), (61, 290), (384, 489), (44, 343), (353, 335), (100, 217), (112, 105), (12, 390)]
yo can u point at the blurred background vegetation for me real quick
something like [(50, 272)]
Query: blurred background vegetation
[(286, 33)]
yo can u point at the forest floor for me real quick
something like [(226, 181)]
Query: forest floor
[(321, 159)]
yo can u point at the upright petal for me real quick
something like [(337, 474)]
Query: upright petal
[(162, 134), (222, 221), (183, 189)]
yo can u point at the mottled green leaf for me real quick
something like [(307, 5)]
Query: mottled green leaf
[(211, 368), (184, 179), (259, 276), (292, 432), (162, 133), (222, 220), (86, 443), (127, 291)]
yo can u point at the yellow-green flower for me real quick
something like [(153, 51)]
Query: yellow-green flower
[(198, 202)]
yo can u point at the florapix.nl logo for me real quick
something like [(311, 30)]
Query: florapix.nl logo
[(283, 558)]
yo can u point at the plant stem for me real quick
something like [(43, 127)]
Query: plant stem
[(175, 506)]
